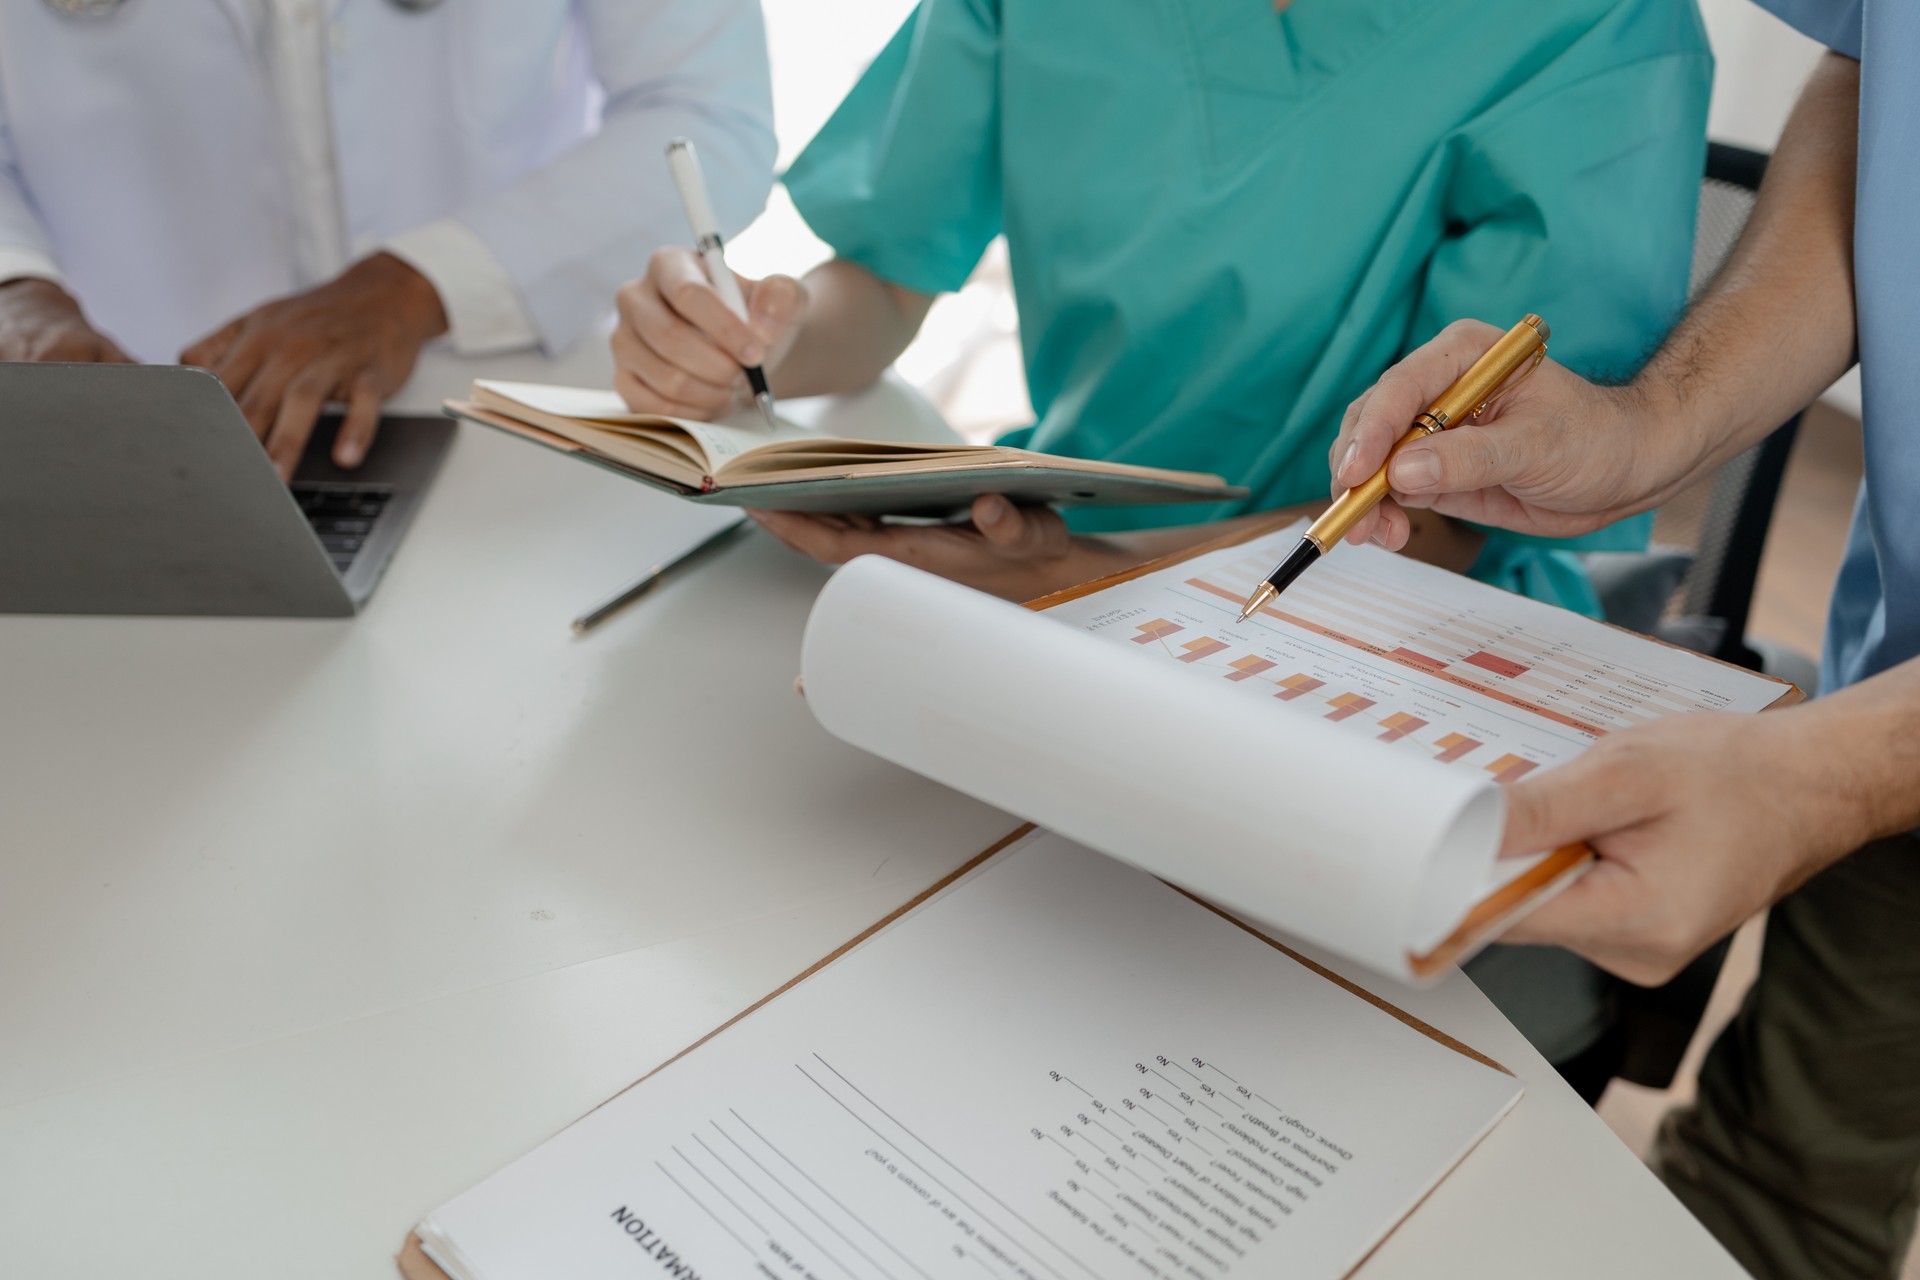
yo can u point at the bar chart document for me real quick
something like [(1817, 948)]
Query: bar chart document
[(1329, 768), (1055, 1068)]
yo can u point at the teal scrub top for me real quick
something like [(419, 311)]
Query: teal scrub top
[(1225, 221)]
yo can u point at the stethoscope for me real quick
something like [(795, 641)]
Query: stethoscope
[(106, 8)]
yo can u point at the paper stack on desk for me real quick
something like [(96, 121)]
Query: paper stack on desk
[(1053, 1068)]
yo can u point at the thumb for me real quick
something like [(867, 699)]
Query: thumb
[(998, 520), (773, 304), (1566, 805), (1377, 420), (1468, 458)]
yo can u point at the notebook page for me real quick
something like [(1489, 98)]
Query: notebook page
[(720, 442), (1059, 1069)]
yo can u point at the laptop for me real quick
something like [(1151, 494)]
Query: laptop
[(140, 489)]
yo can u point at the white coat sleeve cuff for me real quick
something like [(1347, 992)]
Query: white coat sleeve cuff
[(17, 262), (484, 314)]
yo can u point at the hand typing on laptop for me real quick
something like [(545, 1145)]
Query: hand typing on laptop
[(353, 339)]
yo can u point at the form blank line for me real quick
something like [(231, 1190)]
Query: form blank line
[(797, 1200), (771, 1205), (829, 1195), (957, 1169), (751, 1251), (723, 1195), (922, 1168)]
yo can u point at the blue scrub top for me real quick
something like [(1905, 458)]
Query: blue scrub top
[(1224, 222), (1875, 619)]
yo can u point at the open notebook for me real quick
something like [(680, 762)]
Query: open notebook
[(1328, 768), (742, 463), (1052, 1067)]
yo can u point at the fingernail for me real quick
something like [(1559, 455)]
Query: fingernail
[(1378, 537), (1346, 461), (754, 353), (992, 511), (1415, 470), (349, 455)]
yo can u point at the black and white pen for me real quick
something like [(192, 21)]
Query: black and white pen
[(706, 238)]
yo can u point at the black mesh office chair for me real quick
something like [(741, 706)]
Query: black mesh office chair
[(1695, 588)]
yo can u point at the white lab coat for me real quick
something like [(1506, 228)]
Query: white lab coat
[(142, 156)]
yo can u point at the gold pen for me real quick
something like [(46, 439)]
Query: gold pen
[(1494, 374)]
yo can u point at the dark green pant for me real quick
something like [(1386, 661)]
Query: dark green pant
[(1802, 1154)]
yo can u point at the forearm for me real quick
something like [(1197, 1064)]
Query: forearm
[(1858, 753), (853, 327), (1776, 327)]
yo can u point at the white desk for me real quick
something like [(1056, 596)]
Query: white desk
[(306, 926)]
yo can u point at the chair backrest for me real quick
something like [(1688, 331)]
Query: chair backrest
[(1723, 520)]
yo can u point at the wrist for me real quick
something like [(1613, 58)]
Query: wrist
[(1856, 755), (414, 299), (1660, 439), (40, 291)]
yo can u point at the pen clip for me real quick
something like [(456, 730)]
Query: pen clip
[(1500, 392)]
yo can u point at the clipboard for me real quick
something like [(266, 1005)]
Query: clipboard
[(1492, 912), (412, 1259)]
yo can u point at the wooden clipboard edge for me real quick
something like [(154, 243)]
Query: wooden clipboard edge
[(1494, 910), (412, 1259), (1351, 988), (414, 1264), (1234, 538)]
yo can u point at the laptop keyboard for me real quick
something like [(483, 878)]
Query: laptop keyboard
[(342, 515)]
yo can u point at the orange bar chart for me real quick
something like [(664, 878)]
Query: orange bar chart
[(1510, 768), (1498, 665), (1158, 629), (1348, 704), (1246, 667), (1293, 686), (1204, 647), (1426, 662), (1399, 725), (1455, 745)]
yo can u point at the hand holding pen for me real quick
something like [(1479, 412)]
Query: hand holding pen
[(683, 350), (1475, 387), (1556, 456)]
